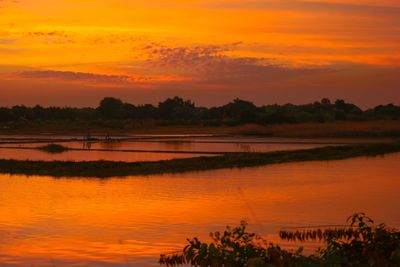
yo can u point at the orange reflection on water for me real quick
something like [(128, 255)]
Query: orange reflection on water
[(130, 221), (87, 155), (203, 146)]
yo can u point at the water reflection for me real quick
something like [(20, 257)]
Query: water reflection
[(128, 222), (87, 155), (181, 146)]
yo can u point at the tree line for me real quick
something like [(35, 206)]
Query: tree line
[(174, 111)]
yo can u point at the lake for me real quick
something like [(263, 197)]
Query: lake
[(46, 221)]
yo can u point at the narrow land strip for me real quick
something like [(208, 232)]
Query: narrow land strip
[(104, 169)]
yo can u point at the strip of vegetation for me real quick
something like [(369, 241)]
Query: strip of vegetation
[(361, 243), (103, 169), (113, 113)]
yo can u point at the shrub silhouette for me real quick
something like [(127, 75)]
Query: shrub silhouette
[(360, 243)]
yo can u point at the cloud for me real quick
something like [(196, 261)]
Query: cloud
[(10, 50), (7, 41), (48, 34), (211, 63), (195, 59), (74, 76), (4, 2), (309, 6)]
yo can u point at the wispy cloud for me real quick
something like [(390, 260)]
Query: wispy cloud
[(74, 76), (48, 33), (211, 63), (4, 2), (299, 5), (7, 41)]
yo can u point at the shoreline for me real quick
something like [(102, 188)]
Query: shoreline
[(107, 169)]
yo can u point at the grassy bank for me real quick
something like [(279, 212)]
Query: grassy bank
[(103, 169)]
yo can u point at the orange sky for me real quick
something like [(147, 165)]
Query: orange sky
[(71, 52)]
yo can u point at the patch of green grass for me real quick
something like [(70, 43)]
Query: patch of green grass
[(103, 169), (53, 148)]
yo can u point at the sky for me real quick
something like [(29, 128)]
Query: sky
[(74, 53)]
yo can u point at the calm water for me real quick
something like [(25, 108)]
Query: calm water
[(172, 143), (130, 221), (179, 146), (33, 154), (145, 148)]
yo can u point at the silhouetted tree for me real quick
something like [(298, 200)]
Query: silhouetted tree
[(176, 109), (112, 108), (241, 111)]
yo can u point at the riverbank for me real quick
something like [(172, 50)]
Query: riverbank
[(104, 169)]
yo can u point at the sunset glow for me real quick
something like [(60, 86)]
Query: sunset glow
[(76, 52)]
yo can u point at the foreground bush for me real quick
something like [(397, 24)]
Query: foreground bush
[(361, 243)]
